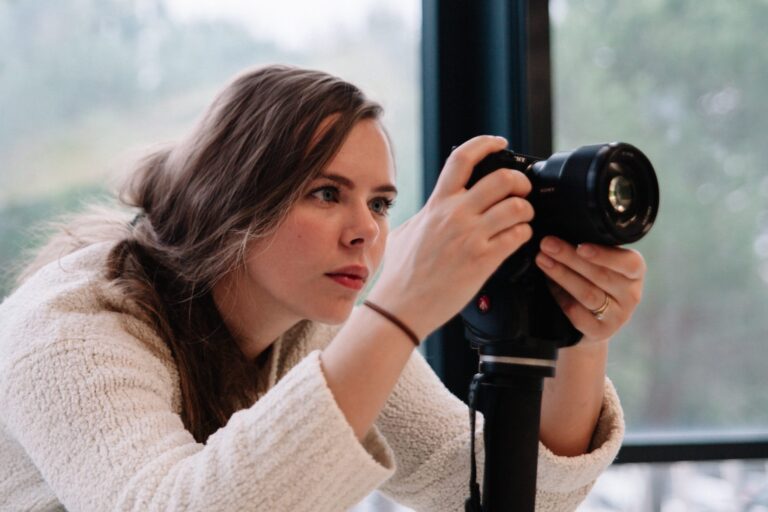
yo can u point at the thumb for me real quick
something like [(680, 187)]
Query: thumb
[(459, 165)]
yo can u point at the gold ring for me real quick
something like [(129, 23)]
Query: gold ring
[(599, 313)]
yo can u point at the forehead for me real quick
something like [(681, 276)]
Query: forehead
[(365, 156)]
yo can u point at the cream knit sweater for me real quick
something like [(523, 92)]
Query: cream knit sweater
[(89, 420)]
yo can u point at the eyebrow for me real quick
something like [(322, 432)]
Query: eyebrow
[(346, 182)]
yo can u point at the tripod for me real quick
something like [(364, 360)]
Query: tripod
[(517, 330), (509, 389)]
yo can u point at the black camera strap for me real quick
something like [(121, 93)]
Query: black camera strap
[(473, 503)]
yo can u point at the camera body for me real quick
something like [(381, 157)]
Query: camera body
[(603, 193)]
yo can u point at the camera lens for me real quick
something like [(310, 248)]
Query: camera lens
[(604, 193)]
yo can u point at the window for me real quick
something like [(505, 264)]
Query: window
[(684, 82)]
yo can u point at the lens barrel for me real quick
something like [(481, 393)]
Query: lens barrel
[(603, 193)]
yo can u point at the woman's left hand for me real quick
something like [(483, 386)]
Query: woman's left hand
[(598, 287)]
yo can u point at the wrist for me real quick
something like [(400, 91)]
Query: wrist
[(588, 348), (397, 304), (396, 321)]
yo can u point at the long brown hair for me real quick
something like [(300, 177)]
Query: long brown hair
[(202, 201)]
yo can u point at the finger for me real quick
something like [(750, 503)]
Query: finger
[(627, 262), (604, 277), (590, 295), (458, 167), (496, 186), (510, 240), (505, 214), (582, 318)]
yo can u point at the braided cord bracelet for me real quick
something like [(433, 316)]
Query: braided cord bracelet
[(392, 318)]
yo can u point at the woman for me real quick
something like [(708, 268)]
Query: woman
[(205, 354)]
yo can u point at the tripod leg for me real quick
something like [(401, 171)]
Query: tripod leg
[(512, 413)]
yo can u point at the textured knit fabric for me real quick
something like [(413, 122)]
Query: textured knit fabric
[(90, 420)]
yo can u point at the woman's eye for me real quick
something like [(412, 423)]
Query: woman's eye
[(381, 205), (326, 194)]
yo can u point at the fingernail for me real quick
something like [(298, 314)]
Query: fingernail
[(550, 245), (586, 251), (545, 261), (502, 139)]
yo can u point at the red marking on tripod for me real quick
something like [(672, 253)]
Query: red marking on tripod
[(484, 303)]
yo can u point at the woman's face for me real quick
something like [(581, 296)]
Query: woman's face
[(332, 240)]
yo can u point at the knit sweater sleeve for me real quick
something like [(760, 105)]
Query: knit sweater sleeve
[(428, 429), (95, 416)]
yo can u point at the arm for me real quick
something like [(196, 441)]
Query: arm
[(572, 400), (97, 418), (362, 364), (583, 280)]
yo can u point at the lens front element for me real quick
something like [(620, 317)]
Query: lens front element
[(621, 193), (626, 192)]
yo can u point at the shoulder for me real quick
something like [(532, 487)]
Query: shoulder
[(67, 305)]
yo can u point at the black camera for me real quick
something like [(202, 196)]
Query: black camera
[(605, 193)]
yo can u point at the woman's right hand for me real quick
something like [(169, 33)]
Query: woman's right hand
[(437, 260)]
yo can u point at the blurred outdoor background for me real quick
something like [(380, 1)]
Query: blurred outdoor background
[(86, 85)]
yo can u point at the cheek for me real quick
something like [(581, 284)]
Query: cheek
[(303, 242), (309, 232), (291, 248)]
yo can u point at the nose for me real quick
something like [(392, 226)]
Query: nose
[(362, 227)]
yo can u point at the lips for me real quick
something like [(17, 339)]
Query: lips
[(352, 276), (351, 271)]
